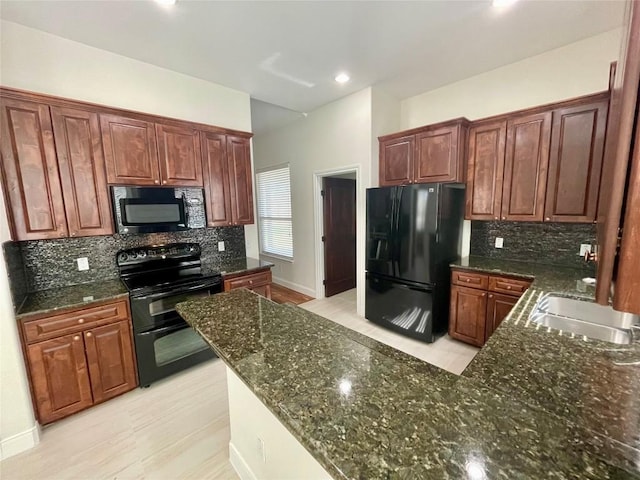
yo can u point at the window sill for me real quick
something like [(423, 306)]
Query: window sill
[(277, 257)]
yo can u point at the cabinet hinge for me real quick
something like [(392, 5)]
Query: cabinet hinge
[(324, 282), (322, 193), (619, 239), (324, 239)]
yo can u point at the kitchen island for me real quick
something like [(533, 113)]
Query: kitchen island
[(365, 410)]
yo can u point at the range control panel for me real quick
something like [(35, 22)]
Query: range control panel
[(133, 256)]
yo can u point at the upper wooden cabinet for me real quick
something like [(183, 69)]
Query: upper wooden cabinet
[(525, 167), (227, 179), (82, 173), (30, 170), (543, 164), (575, 163), (485, 170), (430, 154), (179, 155)]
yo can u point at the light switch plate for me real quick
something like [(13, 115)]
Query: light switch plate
[(83, 263), (221, 246), (584, 248), (499, 242)]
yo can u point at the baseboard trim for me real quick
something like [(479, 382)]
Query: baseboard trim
[(294, 286), (19, 443), (239, 465)]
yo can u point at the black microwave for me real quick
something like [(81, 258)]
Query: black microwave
[(157, 209)]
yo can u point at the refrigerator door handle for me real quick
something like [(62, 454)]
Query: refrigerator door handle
[(396, 231)]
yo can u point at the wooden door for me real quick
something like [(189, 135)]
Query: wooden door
[(438, 158), (111, 363), (239, 160), (498, 307), (216, 179), (339, 206), (130, 151), (467, 317), (82, 172), (575, 163), (179, 156), (485, 170), (396, 161), (30, 171), (525, 167), (59, 377)]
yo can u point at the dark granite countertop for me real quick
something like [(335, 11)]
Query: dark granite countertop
[(54, 299), (365, 410), (235, 266)]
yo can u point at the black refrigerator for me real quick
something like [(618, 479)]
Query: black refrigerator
[(413, 233)]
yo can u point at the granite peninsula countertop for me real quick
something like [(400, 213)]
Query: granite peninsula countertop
[(366, 410), (54, 299)]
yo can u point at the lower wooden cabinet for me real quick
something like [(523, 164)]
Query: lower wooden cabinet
[(259, 282), (475, 313), (90, 361)]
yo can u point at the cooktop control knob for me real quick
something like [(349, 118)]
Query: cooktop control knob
[(123, 257)]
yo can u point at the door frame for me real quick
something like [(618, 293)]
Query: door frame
[(318, 214)]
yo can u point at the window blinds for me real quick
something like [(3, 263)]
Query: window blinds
[(274, 212)]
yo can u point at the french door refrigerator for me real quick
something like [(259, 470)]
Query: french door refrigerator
[(413, 233)]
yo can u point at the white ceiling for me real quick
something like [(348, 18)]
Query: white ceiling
[(287, 53)]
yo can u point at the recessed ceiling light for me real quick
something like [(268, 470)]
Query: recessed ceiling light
[(166, 2), (503, 3), (342, 78)]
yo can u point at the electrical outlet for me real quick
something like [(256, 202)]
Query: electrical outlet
[(221, 246), (499, 242), (261, 450), (83, 264), (584, 248)]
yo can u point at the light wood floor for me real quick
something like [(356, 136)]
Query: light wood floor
[(280, 294), (179, 427)]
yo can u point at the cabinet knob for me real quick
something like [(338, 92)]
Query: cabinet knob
[(490, 296), (250, 282), (89, 334), (73, 234), (504, 218), (547, 219), (468, 280), (164, 182), (508, 287), (76, 338), (483, 294), (81, 320), (156, 181), (495, 218)]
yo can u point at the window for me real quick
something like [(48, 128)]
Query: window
[(274, 212)]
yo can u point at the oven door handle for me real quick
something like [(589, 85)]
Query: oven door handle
[(163, 330), (177, 291)]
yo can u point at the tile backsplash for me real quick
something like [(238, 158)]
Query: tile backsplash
[(52, 263), (15, 270), (549, 243)]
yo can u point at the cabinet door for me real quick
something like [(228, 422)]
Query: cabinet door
[(498, 307), (129, 150), (59, 377), (525, 168), (216, 179), (396, 161), (438, 158), (84, 183), (575, 163), (239, 160), (485, 170), (179, 156), (111, 363), (30, 171), (468, 315)]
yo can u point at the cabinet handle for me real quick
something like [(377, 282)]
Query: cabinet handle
[(81, 320), (156, 181), (76, 338), (89, 334)]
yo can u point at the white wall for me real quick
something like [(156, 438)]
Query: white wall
[(385, 119), (334, 136), (576, 69), (44, 63)]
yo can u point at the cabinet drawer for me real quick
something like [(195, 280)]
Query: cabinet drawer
[(468, 279), (510, 286), (74, 321), (248, 281)]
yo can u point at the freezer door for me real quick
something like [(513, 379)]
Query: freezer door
[(400, 307), (381, 206), (417, 227)]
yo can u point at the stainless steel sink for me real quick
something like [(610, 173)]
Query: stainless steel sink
[(584, 318), (580, 328), (586, 311)]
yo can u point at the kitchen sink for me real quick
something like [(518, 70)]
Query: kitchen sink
[(584, 318), (581, 328), (586, 311)]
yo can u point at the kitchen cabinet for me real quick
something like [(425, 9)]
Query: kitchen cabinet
[(259, 282), (78, 358), (179, 156), (240, 180), (479, 303), (32, 186), (82, 172), (430, 154)]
